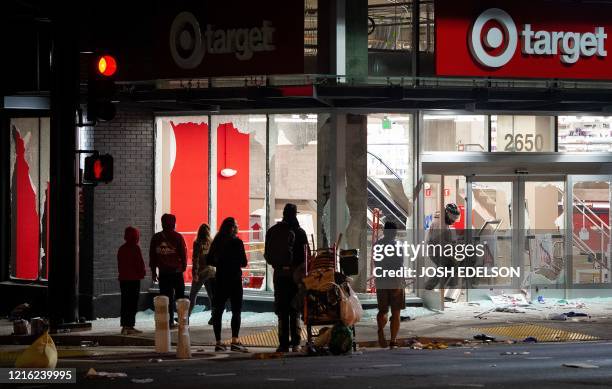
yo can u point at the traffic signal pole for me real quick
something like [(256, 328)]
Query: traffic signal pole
[(63, 265)]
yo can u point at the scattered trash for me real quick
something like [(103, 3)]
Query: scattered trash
[(581, 365), (417, 346), (142, 380), (435, 346), (493, 365), (557, 316), (484, 338), (89, 343), (21, 327), (201, 374), (41, 354), (481, 315), (515, 353), (509, 310), (39, 326), (575, 314), (405, 318), (541, 299), (324, 337), (92, 373), (564, 316), (505, 300), (530, 339), (155, 360), (21, 311)]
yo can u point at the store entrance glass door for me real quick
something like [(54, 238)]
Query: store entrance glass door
[(521, 221), (589, 247), (490, 219)]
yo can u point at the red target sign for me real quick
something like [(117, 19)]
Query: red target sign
[(517, 39)]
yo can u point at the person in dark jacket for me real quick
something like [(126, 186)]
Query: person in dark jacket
[(131, 270), (202, 273), (228, 255), (284, 250), (168, 253)]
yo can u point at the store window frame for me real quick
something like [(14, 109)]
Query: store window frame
[(514, 140), (581, 114), (5, 188), (420, 123), (555, 124), (212, 166)]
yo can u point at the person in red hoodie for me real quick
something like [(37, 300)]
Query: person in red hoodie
[(168, 254), (131, 271)]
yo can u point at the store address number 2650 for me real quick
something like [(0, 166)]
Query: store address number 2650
[(524, 142)]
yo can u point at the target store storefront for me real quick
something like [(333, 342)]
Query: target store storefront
[(359, 115)]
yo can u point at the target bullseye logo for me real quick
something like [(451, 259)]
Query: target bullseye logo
[(480, 46), (189, 43), (186, 41)]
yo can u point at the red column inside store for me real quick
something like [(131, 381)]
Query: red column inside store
[(26, 218), (189, 182), (233, 192)]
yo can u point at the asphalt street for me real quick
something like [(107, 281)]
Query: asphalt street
[(487, 366)]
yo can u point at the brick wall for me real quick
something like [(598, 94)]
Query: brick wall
[(129, 199)]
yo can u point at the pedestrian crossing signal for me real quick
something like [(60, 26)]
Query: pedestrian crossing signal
[(98, 168)]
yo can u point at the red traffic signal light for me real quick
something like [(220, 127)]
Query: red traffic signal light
[(106, 65), (98, 168), (101, 88)]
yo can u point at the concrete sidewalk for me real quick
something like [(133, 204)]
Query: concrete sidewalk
[(459, 321)]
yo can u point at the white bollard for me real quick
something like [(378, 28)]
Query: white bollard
[(162, 324), (183, 346)]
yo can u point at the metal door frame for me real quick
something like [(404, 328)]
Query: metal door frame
[(570, 182), (517, 210)]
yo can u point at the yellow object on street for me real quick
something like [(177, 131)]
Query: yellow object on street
[(41, 354)]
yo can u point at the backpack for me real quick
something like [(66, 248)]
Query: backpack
[(279, 246)]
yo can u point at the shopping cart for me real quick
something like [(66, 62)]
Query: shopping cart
[(322, 298)]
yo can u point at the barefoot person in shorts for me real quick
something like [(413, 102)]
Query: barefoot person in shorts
[(390, 291)]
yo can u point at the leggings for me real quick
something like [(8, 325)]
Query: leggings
[(224, 290), (209, 285)]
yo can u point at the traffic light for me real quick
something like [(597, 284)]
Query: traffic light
[(101, 88), (98, 168)]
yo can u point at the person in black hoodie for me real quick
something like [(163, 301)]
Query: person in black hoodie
[(228, 255), (168, 253), (284, 250)]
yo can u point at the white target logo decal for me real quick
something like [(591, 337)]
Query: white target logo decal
[(493, 39), (186, 41)]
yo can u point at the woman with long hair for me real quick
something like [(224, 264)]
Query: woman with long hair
[(228, 255), (203, 274)]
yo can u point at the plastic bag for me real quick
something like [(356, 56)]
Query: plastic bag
[(41, 354), (351, 310), (341, 339)]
